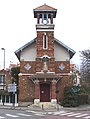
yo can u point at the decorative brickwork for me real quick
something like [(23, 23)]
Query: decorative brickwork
[(32, 68), (62, 67)]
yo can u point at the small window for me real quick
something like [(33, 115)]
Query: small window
[(45, 41), (1, 79)]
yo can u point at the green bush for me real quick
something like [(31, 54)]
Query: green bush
[(70, 98), (74, 96), (83, 99)]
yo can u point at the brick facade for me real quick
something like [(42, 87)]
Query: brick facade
[(26, 89), (44, 72), (61, 84), (37, 66), (40, 51)]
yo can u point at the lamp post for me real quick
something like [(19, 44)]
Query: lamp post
[(4, 72)]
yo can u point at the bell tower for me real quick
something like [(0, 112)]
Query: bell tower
[(45, 32)]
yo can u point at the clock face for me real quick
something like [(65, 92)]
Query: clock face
[(44, 22)]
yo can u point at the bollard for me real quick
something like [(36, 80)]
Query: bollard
[(57, 107), (42, 107)]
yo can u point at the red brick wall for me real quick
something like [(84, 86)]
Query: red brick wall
[(32, 70), (53, 90), (26, 86), (62, 83), (50, 50), (52, 65), (65, 63), (38, 65), (26, 89)]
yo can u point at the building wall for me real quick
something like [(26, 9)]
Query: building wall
[(28, 67), (29, 54), (38, 66), (31, 63), (26, 90), (60, 53), (40, 50), (65, 81), (62, 67)]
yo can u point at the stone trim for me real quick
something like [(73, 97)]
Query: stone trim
[(54, 101), (36, 101), (45, 30)]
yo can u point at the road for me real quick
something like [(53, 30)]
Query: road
[(27, 114)]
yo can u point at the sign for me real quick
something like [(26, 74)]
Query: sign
[(12, 87)]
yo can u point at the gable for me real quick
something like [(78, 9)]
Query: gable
[(29, 53), (58, 45), (21, 49), (60, 53), (70, 51)]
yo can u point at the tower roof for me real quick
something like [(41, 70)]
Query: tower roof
[(45, 8)]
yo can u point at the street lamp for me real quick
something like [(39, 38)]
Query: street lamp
[(4, 58), (4, 71)]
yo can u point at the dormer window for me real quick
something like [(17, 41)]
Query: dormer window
[(45, 41)]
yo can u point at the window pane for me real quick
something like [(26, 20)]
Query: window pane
[(7, 98), (1, 79), (45, 41)]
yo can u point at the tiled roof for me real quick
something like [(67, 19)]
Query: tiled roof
[(45, 7)]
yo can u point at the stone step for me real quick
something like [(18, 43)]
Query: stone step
[(44, 105)]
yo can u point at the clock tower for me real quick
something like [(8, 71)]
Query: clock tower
[(45, 37)]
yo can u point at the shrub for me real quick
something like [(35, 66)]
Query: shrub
[(75, 96), (70, 98)]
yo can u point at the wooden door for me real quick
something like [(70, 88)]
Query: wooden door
[(45, 92)]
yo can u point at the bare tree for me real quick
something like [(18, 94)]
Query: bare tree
[(85, 66)]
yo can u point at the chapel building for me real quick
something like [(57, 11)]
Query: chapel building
[(44, 62)]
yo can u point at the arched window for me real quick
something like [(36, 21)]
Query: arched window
[(45, 41)]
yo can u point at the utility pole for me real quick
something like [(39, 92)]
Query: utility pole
[(3, 72)]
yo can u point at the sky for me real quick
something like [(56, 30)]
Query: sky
[(17, 25)]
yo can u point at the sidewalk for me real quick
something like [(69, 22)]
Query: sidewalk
[(81, 107)]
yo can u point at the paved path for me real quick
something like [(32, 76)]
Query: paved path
[(30, 114), (82, 107)]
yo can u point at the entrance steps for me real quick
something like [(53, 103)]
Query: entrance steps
[(44, 105)]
